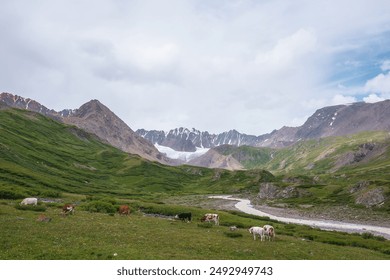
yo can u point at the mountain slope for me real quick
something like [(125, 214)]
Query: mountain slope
[(40, 156), (95, 118), (317, 156), (346, 119)]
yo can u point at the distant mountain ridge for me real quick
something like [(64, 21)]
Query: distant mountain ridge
[(183, 139), (336, 120), (96, 118)]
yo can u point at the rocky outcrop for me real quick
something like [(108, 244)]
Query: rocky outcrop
[(371, 198), (272, 191), (213, 159), (366, 195)]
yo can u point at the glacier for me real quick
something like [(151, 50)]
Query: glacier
[(184, 156)]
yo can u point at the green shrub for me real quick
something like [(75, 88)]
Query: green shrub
[(335, 242), (233, 234), (309, 237), (368, 235), (50, 193), (11, 194), (386, 251), (99, 206)]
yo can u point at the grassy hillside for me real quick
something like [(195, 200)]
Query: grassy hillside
[(139, 236), (39, 156), (327, 155), (351, 170)]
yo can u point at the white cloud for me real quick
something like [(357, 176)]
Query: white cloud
[(380, 84), (385, 65), (288, 51), (341, 99), (214, 65), (372, 98)]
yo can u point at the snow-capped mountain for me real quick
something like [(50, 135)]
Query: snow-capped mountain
[(328, 121), (186, 140)]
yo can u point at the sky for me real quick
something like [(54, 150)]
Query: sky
[(216, 65)]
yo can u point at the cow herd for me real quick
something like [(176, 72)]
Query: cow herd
[(264, 232)]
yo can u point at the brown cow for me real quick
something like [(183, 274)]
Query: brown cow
[(269, 232), (68, 209), (124, 210), (210, 218)]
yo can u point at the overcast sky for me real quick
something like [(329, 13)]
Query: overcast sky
[(213, 65)]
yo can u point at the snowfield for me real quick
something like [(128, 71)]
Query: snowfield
[(184, 156)]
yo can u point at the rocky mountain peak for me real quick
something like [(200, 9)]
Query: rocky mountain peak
[(96, 118), (20, 102)]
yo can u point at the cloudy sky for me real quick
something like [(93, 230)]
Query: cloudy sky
[(213, 65)]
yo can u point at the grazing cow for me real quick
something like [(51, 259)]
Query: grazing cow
[(124, 210), (29, 201), (43, 218), (210, 218), (68, 209), (269, 232), (257, 231), (184, 216)]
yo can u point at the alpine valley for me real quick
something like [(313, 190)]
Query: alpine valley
[(336, 166)]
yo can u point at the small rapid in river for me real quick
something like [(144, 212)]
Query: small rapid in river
[(244, 205)]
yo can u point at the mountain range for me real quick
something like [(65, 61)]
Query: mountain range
[(332, 121), (207, 149), (329, 121)]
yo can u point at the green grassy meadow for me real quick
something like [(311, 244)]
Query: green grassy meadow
[(91, 235)]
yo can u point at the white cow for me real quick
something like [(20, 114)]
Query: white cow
[(257, 231), (210, 218), (269, 232), (29, 201)]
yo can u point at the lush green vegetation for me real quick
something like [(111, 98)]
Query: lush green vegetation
[(43, 158), (325, 170), (93, 235)]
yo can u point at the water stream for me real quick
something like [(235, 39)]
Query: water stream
[(245, 206)]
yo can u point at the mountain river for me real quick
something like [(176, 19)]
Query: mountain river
[(245, 206)]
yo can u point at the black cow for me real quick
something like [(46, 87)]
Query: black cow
[(184, 216)]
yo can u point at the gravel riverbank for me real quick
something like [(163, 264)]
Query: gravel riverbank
[(295, 216)]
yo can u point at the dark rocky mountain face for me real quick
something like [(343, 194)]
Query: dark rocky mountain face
[(95, 118), (346, 119), (16, 101)]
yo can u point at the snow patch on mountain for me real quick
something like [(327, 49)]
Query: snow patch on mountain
[(184, 156)]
